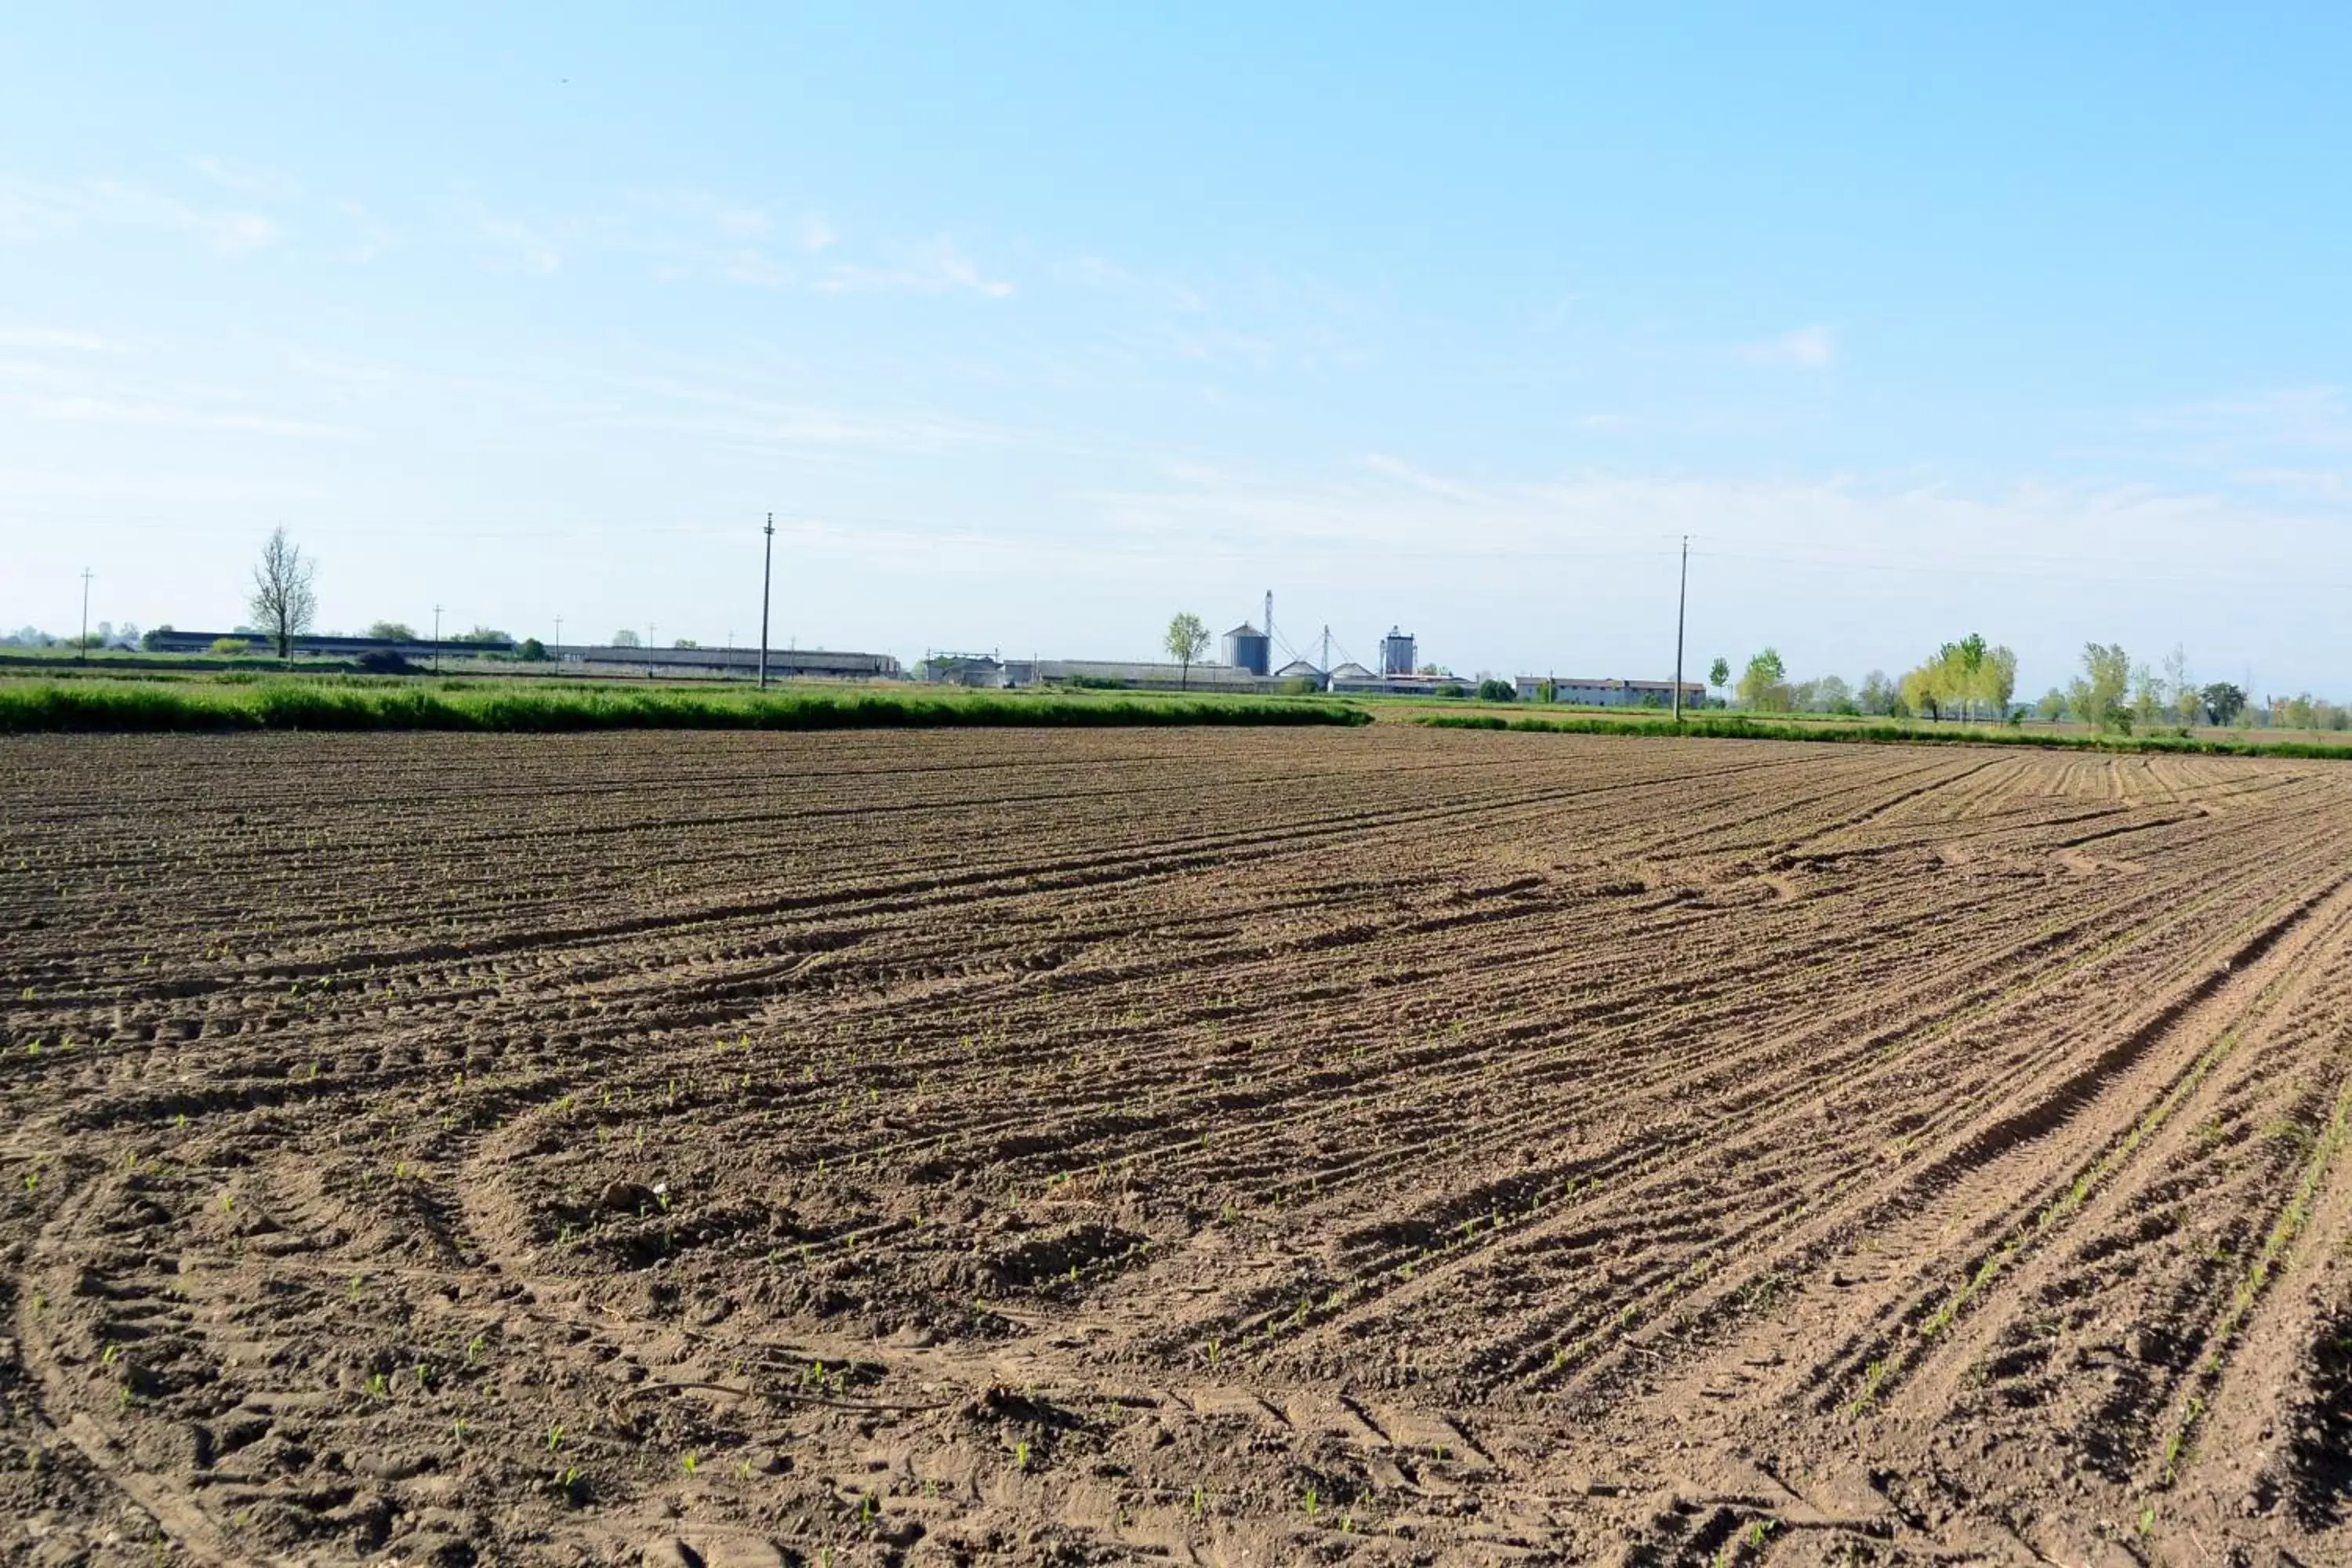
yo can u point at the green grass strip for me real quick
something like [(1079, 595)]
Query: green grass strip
[(155, 707), (1745, 728)]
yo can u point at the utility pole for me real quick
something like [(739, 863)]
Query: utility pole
[(559, 639), (83, 645), (437, 639), (767, 571), (1326, 650), (649, 650), (1270, 631), (1682, 599)]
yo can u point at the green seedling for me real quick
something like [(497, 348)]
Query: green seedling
[(554, 1438), (692, 1461), (1021, 1455)]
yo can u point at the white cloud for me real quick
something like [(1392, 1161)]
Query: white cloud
[(92, 410), (70, 342), (2302, 416), (1813, 348), (936, 268), (370, 237), (37, 210), (526, 245), (817, 235), (744, 419), (266, 183)]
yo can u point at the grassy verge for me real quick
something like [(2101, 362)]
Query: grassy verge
[(1738, 728), (295, 704)]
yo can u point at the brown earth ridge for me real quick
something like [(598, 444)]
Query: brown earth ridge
[(1380, 1146)]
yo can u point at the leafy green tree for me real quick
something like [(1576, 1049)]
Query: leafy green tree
[(2098, 697), (2224, 702), (1495, 690), (530, 650), (1718, 674), (1765, 685), (392, 631), (487, 637), (2051, 707), (1997, 679), (1923, 690), (1187, 640), (1878, 693), (2148, 697), (154, 639)]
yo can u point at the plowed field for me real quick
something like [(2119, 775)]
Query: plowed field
[(1384, 1146)]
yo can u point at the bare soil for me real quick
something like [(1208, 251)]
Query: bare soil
[(1382, 1146)]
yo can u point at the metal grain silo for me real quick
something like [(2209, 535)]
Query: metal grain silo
[(1396, 653), (1246, 647)]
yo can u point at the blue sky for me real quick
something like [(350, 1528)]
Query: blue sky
[(1033, 325)]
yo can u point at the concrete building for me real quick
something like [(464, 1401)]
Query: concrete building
[(575, 658), (1246, 647), (1364, 683), (1578, 692), (1133, 674), (165, 640)]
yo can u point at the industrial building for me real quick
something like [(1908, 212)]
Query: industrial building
[(577, 658), (1580, 692), (1137, 675)]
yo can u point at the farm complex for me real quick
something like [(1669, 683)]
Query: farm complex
[(1381, 1145)]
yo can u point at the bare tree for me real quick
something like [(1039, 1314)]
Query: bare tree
[(283, 601), (1187, 640)]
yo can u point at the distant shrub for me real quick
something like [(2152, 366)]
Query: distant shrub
[(531, 650), (229, 648), (1451, 690), (385, 661), (1301, 686), (1494, 690)]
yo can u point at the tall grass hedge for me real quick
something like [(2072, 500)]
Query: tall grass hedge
[(132, 707)]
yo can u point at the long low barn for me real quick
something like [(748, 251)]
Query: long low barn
[(599, 658), (1608, 693), (165, 640)]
